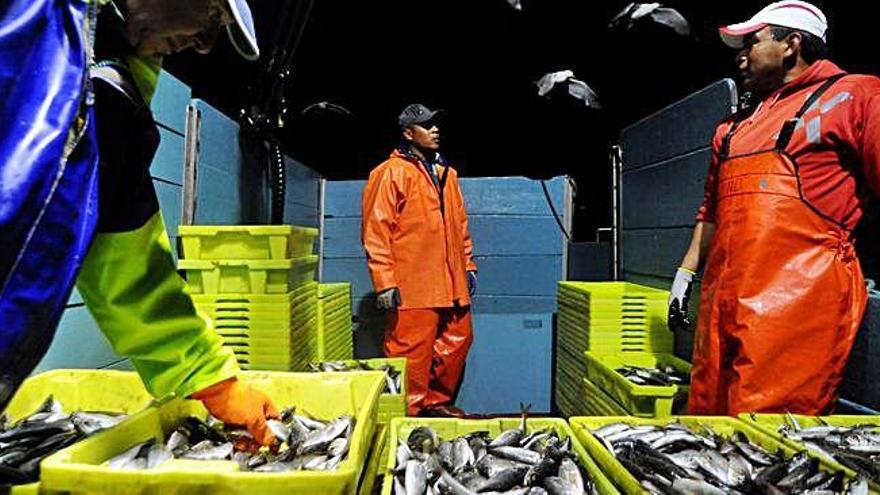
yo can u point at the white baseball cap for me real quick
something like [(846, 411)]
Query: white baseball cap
[(793, 14), (241, 32)]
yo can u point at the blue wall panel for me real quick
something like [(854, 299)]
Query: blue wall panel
[(483, 196), (169, 202), (232, 190), (78, 343), (509, 363), (353, 270), (491, 234), (168, 162), (498, 275), (169, 103), (302, 184)]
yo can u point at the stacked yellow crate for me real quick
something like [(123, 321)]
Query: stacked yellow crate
[(257, 285), (611, 318), (334, 322)]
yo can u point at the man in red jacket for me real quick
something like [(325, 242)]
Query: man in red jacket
[(419, 253), (783, 293)]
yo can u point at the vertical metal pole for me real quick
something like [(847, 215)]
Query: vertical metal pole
[(567, 221), (190, 164), (616, 166), (322, 189)]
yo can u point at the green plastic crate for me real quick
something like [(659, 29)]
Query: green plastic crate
[(375, 464), (451, 428), (248, 276), (79, 470), (335, 339), (613, 290), (77, 390), (245, 242), (258, 302), (638, 400), (724, 426), (614, 339), (390, 405), (770, 423), (598, 403), (569, 393)]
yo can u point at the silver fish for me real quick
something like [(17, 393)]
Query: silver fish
[(517, 454), (416, 478), (319, 439), (448, 484), (158, 455), (687, 486), (559, 486), (462, 454)]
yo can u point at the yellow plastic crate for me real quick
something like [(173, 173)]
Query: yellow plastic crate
[(570, 396), (258, 302), (79, 470), (613, 290), (77, 390), (451, 428), (581, 338), (770, 423), (83, 390), (598, 403), (390, 405), (375, 464), (638, 400), (723, 426), (245, 242), (248, 276)]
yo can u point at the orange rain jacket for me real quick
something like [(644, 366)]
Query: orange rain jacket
[(409, 243)]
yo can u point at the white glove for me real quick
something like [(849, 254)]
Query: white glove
[(679, 295)]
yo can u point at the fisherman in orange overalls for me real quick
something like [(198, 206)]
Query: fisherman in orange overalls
[(420, 257), (783, 293)]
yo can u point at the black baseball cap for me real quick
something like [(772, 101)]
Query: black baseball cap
[(416, 114)]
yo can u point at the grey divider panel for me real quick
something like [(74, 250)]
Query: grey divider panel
[(665, 160), (860, 382), (502, 371), (682, 127), (518, 249), (78, 341), (589, 261), (665, 194)]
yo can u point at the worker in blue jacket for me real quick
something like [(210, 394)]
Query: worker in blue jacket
[(76, 200)]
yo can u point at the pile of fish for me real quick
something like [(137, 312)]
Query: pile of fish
[(661, 375), (514, 462), (25, 443), (674, 459), (392, 376), (856, 447), (305, 444)]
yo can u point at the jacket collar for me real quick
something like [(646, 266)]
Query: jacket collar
[(819, 71)]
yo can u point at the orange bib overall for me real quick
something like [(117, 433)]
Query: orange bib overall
[(783, 293)]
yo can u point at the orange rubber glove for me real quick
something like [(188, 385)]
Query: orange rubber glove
[(238, 404)]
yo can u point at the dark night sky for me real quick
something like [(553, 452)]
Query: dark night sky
[(478, 60)]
